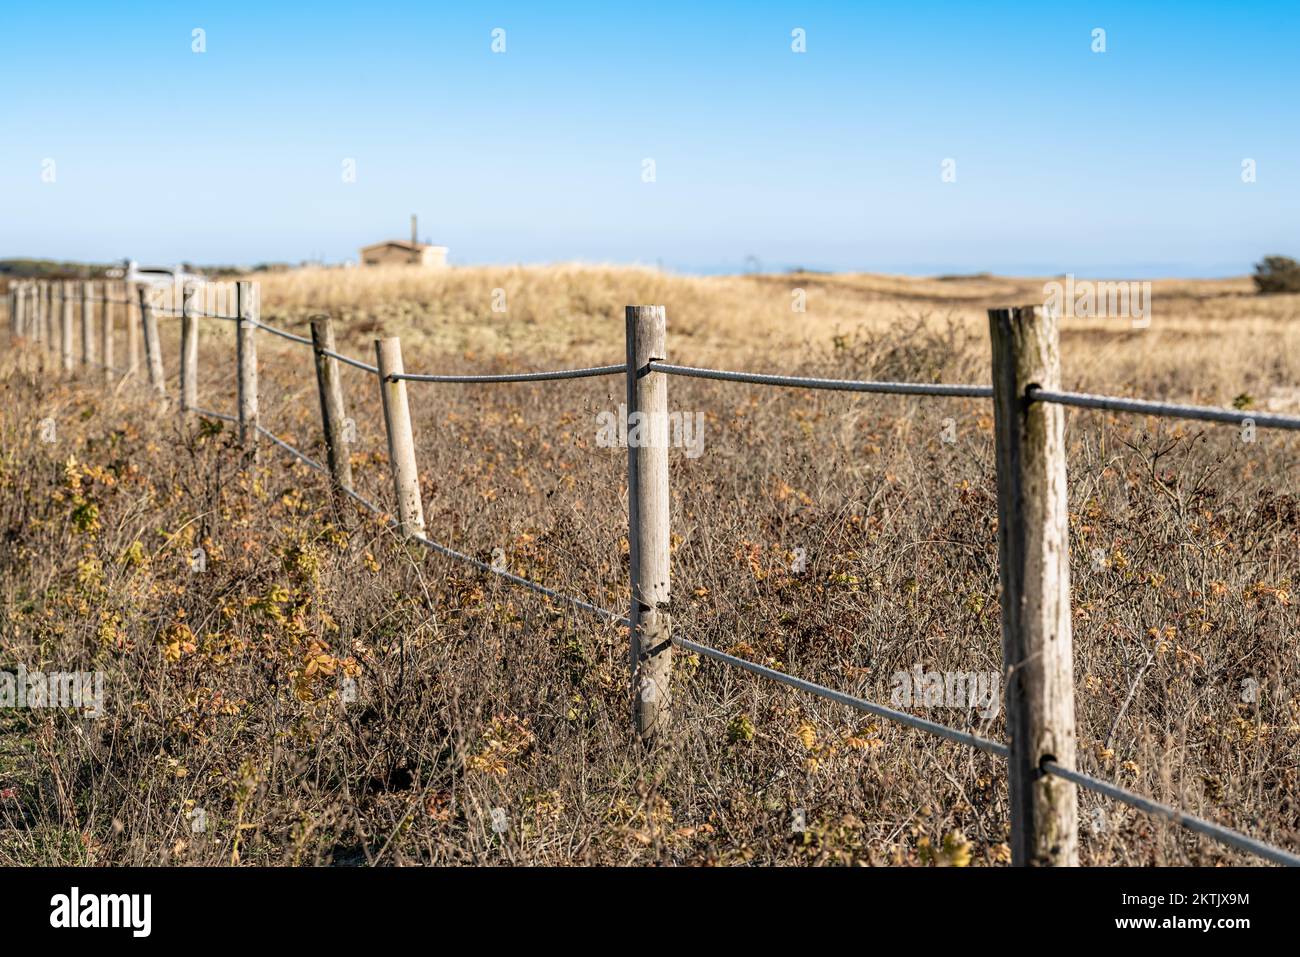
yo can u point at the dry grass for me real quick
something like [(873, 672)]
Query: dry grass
[(223, 686)]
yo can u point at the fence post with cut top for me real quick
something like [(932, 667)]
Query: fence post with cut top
[(650, 624), (1034, 570), (53, 322), (189, 352), (248, 311), (333, 415), (129, 293), (152, 345), (66, 327), (106, 332), (87, 324), (401, 441)]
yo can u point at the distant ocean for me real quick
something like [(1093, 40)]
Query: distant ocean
[(1145, 270)]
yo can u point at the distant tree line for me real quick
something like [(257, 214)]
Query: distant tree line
[(1277, 274)]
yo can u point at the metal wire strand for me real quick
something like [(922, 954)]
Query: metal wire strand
[(209, 414), (451, 552), (1205, 413), (836, 385), (357, 363), (1222, 834), (861, 704), (513, 377), (304, 459), (278, 332), (610, 616)]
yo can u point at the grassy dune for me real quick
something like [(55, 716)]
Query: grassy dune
[(489, 726)]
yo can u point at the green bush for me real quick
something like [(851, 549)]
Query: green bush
[(1277, 274)]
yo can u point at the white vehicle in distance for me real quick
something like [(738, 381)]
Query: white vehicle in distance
[(165, 284), (132, 271)]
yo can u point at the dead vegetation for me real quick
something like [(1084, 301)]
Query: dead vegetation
[(320, 693)]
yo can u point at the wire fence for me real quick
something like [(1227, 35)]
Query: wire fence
[(1032, 395)]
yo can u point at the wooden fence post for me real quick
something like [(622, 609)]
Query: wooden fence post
[(1034, 569), (401, 443), (189, 352), (152, 345), (65, 342), (129, 294), (648, 520), (333, 414), (15, 318), (53, 324), (87, 324), (248, 309), (54, 318), (106, 333)]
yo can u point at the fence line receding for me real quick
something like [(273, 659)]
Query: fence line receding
[(1033, 533)]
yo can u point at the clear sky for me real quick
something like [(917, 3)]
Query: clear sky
[(1127, 162)]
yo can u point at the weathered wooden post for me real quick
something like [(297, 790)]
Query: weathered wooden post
[(248, 311), (49, 332), (189, 352), (1034, 569), (106, 333), (65, 341), (53, 295), (87, 324), (648, 522), (40, 299), (152, 345), (15, 320), (45, 324), (129, 295), (333, 415), (401, 443)]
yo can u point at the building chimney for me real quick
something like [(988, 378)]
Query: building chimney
[(415, 240)]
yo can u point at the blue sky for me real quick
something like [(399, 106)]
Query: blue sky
[(1126, 162)]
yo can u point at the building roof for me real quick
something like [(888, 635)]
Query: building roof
[(401, 244)]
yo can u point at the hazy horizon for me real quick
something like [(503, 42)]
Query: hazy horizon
[(1129, 271)]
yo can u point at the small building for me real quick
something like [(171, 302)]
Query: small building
[(403, 252)]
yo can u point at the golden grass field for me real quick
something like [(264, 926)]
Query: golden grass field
[(477, 703)]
